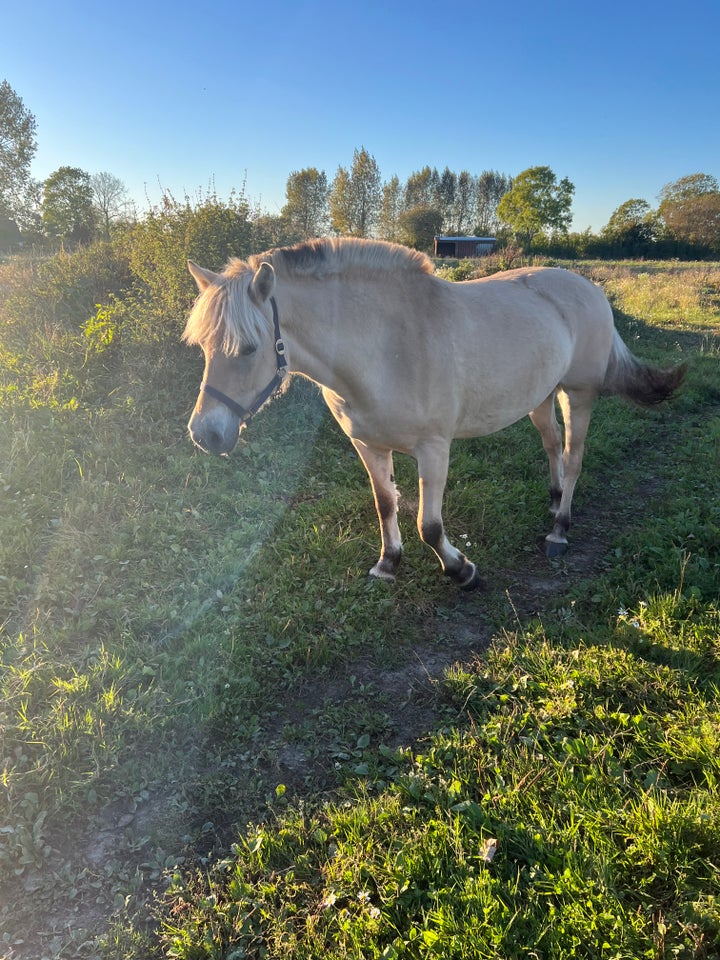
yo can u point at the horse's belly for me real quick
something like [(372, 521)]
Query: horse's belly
[(491, 403), (488, 421)]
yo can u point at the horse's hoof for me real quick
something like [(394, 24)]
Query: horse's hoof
[(378, 573), (555, 548), (473, 584), (472, 581)]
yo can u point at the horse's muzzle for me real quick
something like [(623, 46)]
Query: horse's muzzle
[(212, 436)]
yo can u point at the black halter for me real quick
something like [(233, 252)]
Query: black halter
[(269, 390)]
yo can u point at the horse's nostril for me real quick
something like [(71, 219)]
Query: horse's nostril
[(214, 441), (209, 441)]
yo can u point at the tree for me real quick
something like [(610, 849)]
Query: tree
[(688, 188), (491, 187), (706, 226), (536, 201), (306, 209), (464, 202), (17, 149), (690, 208), (631, 229), (341, 202), (109, 194), (418, 227), (421, 188), (67, 205), (445, 198), (390, 207), (355, 196)]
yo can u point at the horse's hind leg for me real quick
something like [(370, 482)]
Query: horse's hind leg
[(576, 406), (379, 466), (545, 420), (432, 461)]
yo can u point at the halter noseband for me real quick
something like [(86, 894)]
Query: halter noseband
[(269, 390)]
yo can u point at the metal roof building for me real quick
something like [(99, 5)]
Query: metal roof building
[(462, 247)]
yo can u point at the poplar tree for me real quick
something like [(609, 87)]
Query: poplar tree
[(342, 214), (465, 202), (355, 196), (445, 195), (306, 209), (421, 188), (490, 188), (390, 208)]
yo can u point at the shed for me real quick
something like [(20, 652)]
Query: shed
[(462, 247)]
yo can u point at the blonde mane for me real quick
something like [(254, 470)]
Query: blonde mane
[(225, 314)]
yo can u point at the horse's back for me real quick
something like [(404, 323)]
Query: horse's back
[(556, 310), (571, 295)]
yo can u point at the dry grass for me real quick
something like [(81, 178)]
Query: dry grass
[(685, 296)]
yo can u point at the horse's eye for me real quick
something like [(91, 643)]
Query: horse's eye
[(248, 349)]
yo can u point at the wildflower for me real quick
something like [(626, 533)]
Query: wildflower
[(374, 913), (329, 901), (364, 896), (488, 850)]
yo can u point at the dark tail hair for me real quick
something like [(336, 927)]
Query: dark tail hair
[(626, 376)]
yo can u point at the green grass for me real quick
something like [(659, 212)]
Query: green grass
[(594, 769), (219, 739)]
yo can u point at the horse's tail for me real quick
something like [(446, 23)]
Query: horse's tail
[(629, 377)]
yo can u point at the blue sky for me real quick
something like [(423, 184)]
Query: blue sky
[(622, 98)]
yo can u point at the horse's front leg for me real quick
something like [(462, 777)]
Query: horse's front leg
[(432, 460), (379, 465)]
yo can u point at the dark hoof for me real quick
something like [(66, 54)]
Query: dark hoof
[(474, 583), (468, 578), (554, 549)]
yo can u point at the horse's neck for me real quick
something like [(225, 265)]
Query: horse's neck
[(310, 323)]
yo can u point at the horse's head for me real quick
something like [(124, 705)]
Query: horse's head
[(233, 321)]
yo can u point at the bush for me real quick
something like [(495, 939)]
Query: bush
[(207, 231), (506, 258), (462, 270)]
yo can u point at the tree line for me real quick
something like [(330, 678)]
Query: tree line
[(532, 210), (357, 202)]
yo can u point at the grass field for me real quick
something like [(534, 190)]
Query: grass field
[(220, 740)]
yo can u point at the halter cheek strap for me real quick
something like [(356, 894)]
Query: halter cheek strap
[(280, 374)]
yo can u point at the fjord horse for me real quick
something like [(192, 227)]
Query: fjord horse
[(407, 362)]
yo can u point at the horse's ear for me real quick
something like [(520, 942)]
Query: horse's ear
[(203, 278), (263, 283)]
